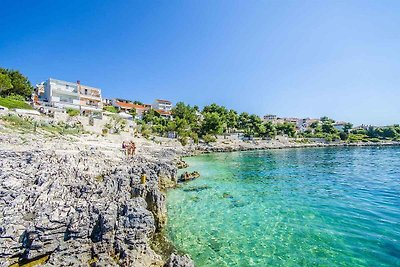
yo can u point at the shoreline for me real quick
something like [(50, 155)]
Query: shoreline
[(214, 149), (102, 172)]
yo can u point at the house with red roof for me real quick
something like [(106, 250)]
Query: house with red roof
[(163, 107), (123, 104)]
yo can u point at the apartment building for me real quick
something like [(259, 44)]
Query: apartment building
[(63, 94), (163, 105), (90, 98)]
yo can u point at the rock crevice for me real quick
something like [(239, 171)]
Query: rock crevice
[(82, 208)]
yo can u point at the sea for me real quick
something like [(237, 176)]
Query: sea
[(290, 207)]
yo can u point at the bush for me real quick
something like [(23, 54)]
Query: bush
[(110, 109), (73, 112), (195, 137), (183, 140), (145, 131), (355, 138), (208, 138), (27, 124), (18, 122)]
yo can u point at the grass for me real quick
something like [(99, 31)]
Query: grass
[(10, 102), (26, 125)]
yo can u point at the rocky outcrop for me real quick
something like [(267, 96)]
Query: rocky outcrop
[(181, 164), (188, 176), (179, 261), (81, 209)]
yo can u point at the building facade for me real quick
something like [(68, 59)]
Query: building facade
[(90, 98), (163, 105), (63, 94), (123, 105), (141, 110)]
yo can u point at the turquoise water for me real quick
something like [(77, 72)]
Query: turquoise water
[(299, 207)]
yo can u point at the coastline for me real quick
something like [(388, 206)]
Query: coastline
[(204, 149), (122, 221)]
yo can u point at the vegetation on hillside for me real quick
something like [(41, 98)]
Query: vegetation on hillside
[(14, 101), (29, 125)]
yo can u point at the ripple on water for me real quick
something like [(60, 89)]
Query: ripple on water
[(321, 207)]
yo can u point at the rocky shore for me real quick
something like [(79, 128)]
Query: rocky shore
[(80, 206), (79, 201), (266, 145)]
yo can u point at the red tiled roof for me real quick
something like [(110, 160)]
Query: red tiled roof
[(135, 106), (163, 101), (163, 112), (124, 105)]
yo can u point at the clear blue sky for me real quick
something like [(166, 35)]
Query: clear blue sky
[(290, 58)]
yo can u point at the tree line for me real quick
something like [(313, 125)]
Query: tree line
[(191, 122)]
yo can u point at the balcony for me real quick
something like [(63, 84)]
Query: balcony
[(90, 94)]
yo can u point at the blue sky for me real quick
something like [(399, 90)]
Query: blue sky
[(290, 58)]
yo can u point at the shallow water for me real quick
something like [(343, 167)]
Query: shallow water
[(298, 207)]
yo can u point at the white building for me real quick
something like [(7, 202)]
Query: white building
[(62, 94), (163, 105)]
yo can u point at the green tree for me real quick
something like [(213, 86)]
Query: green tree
[(212, 124), (214, 108), (232, 119), (5, 82), (132, 112), (344, 136), (244, 119), (270, 130), (347, 127), (20, 84), (286, 128)]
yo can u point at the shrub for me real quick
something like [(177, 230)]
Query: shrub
[(195, 137), (183, 140), (208, 138), (15, 121), (145, 131), (72, 112), (110, 109)]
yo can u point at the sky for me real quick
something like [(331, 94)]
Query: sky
[(290, 58)]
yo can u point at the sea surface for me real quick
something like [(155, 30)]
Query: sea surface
[(291, 207)]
